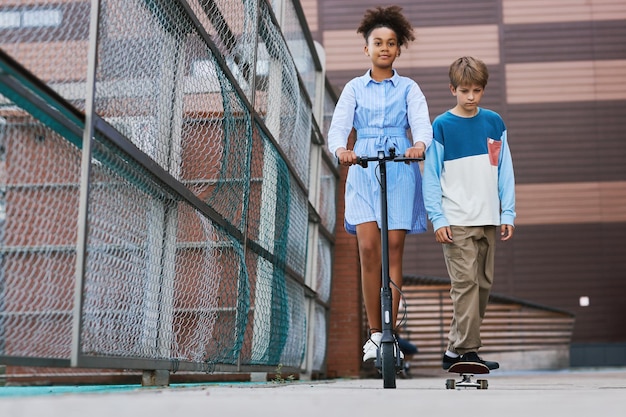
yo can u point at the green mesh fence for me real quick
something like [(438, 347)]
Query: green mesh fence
[(197, 252)]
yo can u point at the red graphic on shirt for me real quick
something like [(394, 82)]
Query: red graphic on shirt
[(494, 146)]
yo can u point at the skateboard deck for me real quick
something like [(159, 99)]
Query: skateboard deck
[(467, 370)]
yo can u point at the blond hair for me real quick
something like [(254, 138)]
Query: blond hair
[(468, 70)]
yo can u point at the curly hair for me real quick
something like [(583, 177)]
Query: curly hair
[(388, 17)]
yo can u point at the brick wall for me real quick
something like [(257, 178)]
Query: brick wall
[(346, 321)]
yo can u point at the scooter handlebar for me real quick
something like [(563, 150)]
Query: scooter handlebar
[(364, 160)]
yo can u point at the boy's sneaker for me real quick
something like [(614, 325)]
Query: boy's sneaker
[(370, 348), (473, 357), (448, 361)]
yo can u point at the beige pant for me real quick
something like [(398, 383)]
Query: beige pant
[(470, 263)]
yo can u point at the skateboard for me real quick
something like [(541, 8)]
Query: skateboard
[(467, 370)]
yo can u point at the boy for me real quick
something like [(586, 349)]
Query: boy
[(469, 190)]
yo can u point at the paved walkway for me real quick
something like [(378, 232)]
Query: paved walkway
[(588, 393)]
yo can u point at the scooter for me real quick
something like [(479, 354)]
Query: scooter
[(388, 362)]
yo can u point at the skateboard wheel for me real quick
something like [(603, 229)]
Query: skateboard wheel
[(483, 383), (450, 383)]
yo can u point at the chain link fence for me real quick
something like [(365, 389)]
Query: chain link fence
[(166, 202)]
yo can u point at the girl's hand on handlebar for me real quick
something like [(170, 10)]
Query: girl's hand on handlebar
[(347, 157), (415, 151)]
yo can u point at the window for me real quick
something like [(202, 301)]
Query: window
[(30, 18), (10, 20)]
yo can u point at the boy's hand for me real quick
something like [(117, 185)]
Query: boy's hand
[(443, 235), (506, 231)]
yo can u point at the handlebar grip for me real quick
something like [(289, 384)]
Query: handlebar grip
[(362, 160), (403, 158)]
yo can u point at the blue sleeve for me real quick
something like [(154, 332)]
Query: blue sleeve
[(431, 185), (506, 183)]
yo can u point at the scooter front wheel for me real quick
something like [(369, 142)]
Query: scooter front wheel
[(388, 362)]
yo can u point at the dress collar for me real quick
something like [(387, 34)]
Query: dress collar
[(367, 78)]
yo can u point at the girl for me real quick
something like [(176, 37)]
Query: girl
[(382, 107)]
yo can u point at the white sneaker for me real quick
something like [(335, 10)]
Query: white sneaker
[(370, 348)]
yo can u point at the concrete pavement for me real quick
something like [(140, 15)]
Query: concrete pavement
[(572, 393)]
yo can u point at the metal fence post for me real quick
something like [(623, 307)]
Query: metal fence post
[(83, 212)]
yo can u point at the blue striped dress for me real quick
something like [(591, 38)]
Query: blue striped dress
[(382, 114)]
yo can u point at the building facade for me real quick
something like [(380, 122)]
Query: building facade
[(556, 76)]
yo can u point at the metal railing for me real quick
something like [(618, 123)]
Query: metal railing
[(166, 201)]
